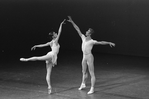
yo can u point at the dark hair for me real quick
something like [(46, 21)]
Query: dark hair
[(52, 33), (92, 31)]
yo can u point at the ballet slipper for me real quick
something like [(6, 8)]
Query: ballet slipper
[(82, 87), (91, 91)]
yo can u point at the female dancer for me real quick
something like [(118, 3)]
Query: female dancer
[(88, 59), (50, 57)]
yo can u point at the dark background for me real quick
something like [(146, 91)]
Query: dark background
[(24, 23)]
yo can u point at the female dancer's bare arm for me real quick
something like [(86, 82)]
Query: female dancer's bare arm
[(59, 31), (41, 45), (75, 26)]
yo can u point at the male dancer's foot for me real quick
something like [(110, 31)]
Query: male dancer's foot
[(91, 90), (82, 86)]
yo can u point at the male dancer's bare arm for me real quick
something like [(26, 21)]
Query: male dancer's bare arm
[(75, 26), (105, 43)]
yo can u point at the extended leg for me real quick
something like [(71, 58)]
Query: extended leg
[(44, 58), (85, 75), (48, 76), (29, 59)]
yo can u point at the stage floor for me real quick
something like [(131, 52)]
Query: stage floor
[(117, 77)]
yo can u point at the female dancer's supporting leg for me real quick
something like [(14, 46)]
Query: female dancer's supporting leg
[(49, 64), (48, 75)]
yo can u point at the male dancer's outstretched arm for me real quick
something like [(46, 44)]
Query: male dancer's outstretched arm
[(105, 43), (75, 26)]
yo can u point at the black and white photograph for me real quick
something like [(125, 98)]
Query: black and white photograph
[(74, 49)]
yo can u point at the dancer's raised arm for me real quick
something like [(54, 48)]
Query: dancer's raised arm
[(105, 43), (75, 26), (59, 31)]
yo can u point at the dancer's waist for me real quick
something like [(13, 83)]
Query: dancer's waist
[(87, 53)]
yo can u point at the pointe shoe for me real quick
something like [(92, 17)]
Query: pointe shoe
[(91, 91), (23, 59), (49, 90), (82, 86)]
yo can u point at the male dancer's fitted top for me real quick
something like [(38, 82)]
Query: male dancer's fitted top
[(87, 45), (55, 47)]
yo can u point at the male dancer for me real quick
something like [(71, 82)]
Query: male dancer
[(88, 58)]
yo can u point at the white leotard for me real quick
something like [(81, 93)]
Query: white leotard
[(55, 47), (87, 45), (55, 50)]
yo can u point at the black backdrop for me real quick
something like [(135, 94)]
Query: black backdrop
[(24, 23)]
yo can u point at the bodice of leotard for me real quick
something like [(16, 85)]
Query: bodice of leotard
[(55, 47)]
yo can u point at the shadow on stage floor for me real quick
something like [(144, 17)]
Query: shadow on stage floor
[(117, 77)]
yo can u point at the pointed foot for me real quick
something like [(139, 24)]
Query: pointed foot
[(23, 59)]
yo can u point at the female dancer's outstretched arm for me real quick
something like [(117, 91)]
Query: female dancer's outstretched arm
[(59, 31), (41, 45), (75, 26), (48, 43)]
